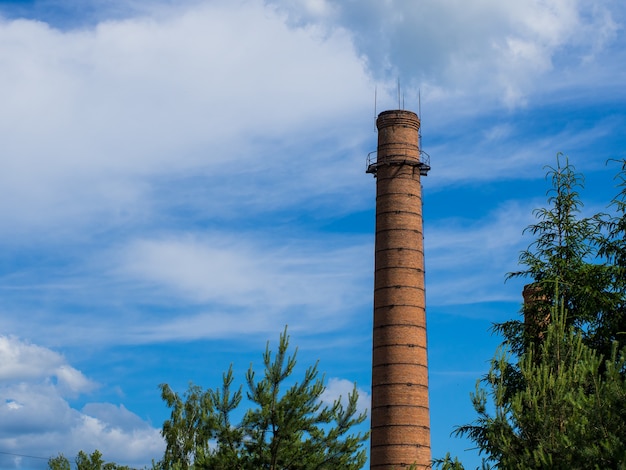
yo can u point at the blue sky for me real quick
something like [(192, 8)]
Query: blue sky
[(182, 179)]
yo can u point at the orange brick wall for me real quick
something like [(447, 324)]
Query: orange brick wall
[(399, 413)]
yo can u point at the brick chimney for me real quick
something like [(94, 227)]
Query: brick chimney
[(400, 421), (537, 312)]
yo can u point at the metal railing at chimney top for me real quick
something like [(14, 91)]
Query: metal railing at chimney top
[(372, 162)]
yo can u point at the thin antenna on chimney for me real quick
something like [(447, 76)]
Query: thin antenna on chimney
[(419, 114), (419, 103), (375, 103), (399, 93)]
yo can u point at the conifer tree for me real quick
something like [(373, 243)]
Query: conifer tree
[(569, 413), (286, 427), (569, 250), (555, 395), (612, 243), (84, 461)]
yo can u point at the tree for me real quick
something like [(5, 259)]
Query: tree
[(84, 461), (284, 429), (569, 414), (59, 462), (571, 251), (555, 395), (89, 462), (612, 245)]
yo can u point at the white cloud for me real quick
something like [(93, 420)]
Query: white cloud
[(457, 49), (24, 361), (238, 271), (73, 380), (337, 388), (19, 360), (244, 285), (205, 284), (89, 115), (128, 123), (37, 419), (119, 438), (99, 121)]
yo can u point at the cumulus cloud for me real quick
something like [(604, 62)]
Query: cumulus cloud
[(130, 126), (170, 112), (23, 361), (340, 389), (37, 419), (90, 114), (453, 49)]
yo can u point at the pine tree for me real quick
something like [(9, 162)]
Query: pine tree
[(84, 461), (569, 414), (568, 250), (555, 395), (284, 429), (612, 247)]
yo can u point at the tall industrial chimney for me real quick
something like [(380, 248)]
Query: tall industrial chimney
[(400, 421)]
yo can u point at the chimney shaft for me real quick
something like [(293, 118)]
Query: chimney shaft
[(400, 422)]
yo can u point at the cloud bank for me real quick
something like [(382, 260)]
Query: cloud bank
[(458, 49), (37, 418)]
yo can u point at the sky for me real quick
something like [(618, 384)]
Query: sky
[(182, 179)]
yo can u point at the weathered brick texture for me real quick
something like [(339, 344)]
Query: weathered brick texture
[(399, 258), (402, 333), (399, 414), (398, 295), (398, 456)]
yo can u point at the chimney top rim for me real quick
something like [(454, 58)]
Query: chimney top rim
[(398, 111)]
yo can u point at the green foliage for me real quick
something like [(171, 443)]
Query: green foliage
[(569, 414), (283, 429), (89, 462), (574, 252), (555, 395), (84, 461), (612, 246), (59, 462), (448, 463)]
